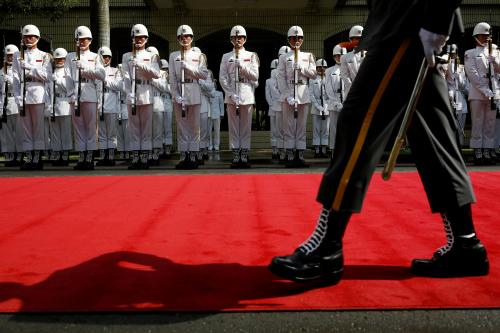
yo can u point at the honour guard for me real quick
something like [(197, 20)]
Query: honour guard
[(481, 67), (319, 110), (458, 86), (187, 67), (215, 116), (167, 117), (238, 76), (160, 87), (349, 63), (272, 98), (32, 70), (88, 73), (140, 68), (123, 139), (109, 109), (62, 90), (280, 141), (334, 87), (11, 130), (295, 68), (207, 91)]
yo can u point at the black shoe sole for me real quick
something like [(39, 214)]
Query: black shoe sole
[(447, 272), (328, 278)]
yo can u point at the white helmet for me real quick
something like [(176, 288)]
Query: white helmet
[(481, 28), (284, 49), (337, 50), (164, 63), (184, 30), (196, 49), (154, 50), (31, 30), (453, 48), (105, 51), (443, 58), (356, 31), (83, 32), (11, 49), (238, 30), (295, 31), (59, 53), (321, 63), (139, 30), (274, 64)]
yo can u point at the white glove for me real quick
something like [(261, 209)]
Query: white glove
[(491, 59), (325, 107), (19, 100), (179, 99), (433, 44), (235, 99), (320, 108), (54, 77), (290, 100), (78, 64), (297, 66), (24, 64), (72, 99), (131, 98), (237, 62), (338, 106), (488, 93), (132, 62)]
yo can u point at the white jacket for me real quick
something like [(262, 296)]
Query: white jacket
[(319, 98), (196, 70), (249, 76), (147, 69), (334, 88), (35, 79), (285, 76), (349, 66), (8, 79), (477, 69)]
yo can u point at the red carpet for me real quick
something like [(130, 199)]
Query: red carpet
[(202, 243)]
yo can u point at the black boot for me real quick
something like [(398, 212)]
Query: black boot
[(320, 258), (463, 254)]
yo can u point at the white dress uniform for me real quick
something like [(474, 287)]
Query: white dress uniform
[(36, 79), (294, 130), (497, 122), (240, 126), (349, 66), (275, 111), (216, 113), (61, 139), (334, 88), (140, 124), (320, 113), (188, 127), (167, 118), (458, 87), (11, 133), (207, 91), (123, 139), (92, 75), (161, 89), (477, 67)]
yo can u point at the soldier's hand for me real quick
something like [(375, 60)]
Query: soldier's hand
[(79, 64), (291, 101), (235, 99), (488, 93), (320, 108), (338, 106), (325, 107), (297, 66), (433, 44), (133, 63), (19, 101), (24, 64), (237, 62), (179, 99)]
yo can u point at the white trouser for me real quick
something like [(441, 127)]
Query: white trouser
[(158, 129), (320, 130), (483, 124), (240, 127), (274, 132), (34, 127), (167, 128), (280, 143), (204, 137), (60, 134), (294, 129), (188, 127), (85, 127), (107, 131), (214, 125), (11, 135), (140, 127), (497, 133), (334, 117), (461, 117), (123, 140), (46, 133)]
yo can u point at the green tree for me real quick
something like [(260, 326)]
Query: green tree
[(53, 9)]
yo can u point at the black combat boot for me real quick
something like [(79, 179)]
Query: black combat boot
[(319, 258), (462, 255)]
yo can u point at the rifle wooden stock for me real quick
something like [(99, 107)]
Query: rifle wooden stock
[(237, 75), (183, 77), (79, 90), (295, 77), (22, 111), (134, 87), (491, 75)]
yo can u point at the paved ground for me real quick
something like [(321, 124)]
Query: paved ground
[(467, 321)]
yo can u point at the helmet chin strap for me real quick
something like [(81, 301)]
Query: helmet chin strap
[(481, 44), (139, 45), (31, 45)]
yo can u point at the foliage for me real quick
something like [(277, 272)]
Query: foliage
[(52, 9)]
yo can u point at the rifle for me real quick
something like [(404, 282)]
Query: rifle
[(5, 101), (295, 74), (183, 75), (134, 87), (322, 75), (79, 90), (490, 74), (53, 115), (120, 96), (237, 74), (101, 115), (22, 112)]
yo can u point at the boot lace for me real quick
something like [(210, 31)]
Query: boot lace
[(314, 241), (450, 239)]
